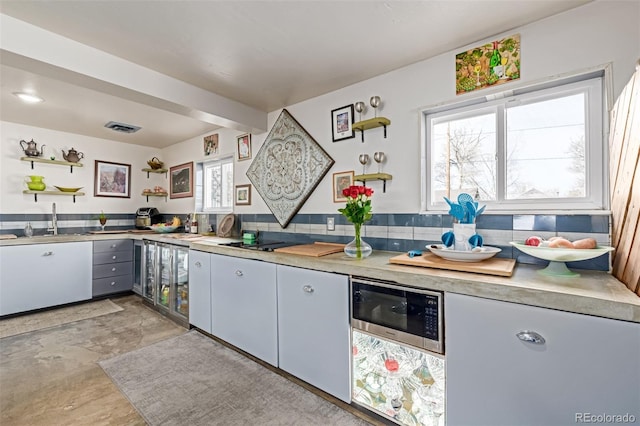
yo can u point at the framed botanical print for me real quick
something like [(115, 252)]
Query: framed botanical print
[(342, 123), (112, 179), (243, 195), (341, 181), (181, 181), (244, 147)]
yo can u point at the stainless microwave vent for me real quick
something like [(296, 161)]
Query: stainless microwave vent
[(122, 127)]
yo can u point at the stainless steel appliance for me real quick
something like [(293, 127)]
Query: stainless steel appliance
[(165, 282), (406, 315), (147, 216), (393, 373)]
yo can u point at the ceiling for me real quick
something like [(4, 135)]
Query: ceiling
[(264, 54)]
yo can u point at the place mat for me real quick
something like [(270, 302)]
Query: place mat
[(55, 317), (494, 266)]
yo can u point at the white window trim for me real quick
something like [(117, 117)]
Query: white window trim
[(596, 130), (221, 161)]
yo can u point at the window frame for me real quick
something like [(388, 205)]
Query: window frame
[(204, 187), (595, 87)]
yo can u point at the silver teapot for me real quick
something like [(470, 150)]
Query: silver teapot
[(31, 148), (72, 156)]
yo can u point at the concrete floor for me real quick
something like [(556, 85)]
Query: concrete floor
[(51, 377)]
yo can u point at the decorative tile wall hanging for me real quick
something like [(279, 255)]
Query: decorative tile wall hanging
[(288, 167)]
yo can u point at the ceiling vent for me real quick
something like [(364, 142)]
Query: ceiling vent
[(122, 127)]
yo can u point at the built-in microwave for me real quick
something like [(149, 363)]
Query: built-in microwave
[(404, 314)]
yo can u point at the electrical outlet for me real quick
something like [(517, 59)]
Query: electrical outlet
[(331, 224)]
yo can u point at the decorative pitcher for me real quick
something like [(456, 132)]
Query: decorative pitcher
[(31, 148)]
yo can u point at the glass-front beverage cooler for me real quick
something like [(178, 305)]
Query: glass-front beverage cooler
[(399, 382), (166, 284)]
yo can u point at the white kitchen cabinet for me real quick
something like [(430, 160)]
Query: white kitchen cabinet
[(587, 366), (43, 275), (313, 328), (200, 290), (244, 305)]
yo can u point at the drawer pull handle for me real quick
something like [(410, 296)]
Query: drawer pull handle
[(114, 257), (113, 269), (113, 283), (47, 253), (113, 246), (531, 337), (239, 272), (198, 264), (307, 289)]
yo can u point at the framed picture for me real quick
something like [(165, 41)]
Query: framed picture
[(112, 179), (181, 181), (491, 64), (211, 144), (341, 180), (342, 123), (243, 195), (244, 147)]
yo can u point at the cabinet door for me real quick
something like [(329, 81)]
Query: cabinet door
[(200, 290), (44, 275), (586, 365), (243, 305), (313, 328)]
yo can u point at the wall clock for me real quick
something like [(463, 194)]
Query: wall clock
[(288, 167)]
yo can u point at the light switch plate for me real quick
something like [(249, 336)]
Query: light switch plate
[(331, 224)]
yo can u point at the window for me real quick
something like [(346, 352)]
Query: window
[(217, 185), (537, 148)]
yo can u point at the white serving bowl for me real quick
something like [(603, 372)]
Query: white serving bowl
[(557, 257)]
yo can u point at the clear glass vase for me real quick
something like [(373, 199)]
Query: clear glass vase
[(358, 248)]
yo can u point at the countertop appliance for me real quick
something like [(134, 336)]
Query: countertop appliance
[(147, 216), (259, 245), (406, 315)]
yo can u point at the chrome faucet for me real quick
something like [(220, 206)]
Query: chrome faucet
[(54, 220)]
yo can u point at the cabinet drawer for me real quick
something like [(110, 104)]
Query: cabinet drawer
[(109, 285), (112, 257), (112, 269), (112, 245)]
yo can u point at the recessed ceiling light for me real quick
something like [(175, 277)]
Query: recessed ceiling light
[(29, 98)]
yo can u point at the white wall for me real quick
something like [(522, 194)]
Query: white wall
[(13, 171), (595, 34)]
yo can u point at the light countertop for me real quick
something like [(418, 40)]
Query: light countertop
[(593, 292)]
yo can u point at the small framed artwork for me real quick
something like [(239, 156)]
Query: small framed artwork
[(181, 181), (211, 144), (243, 195), (244, 147), (342, 123), (112, 179), (341, 181)]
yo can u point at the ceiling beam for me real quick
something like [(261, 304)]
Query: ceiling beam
[(42, 52)]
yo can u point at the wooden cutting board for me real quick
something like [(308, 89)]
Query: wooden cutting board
[(124, 231), (492, 266), (8, 236), (316, 249)]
